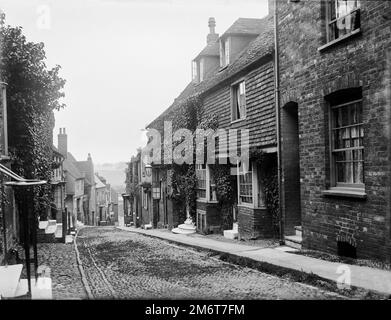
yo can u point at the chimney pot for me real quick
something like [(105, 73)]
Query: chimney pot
[(212, 36), (212, 25), (63, 142)]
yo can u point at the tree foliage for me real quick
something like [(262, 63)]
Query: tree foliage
[(34, 92)]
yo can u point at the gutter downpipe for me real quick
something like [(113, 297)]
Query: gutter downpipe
[(278, 125)]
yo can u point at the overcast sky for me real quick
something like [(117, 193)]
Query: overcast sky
[(125, 61)]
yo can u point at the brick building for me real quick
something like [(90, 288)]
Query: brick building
[(335, 66)]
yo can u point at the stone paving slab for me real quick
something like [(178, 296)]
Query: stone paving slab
[(362, 277)]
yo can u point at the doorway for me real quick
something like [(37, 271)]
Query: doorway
[(291, 168)]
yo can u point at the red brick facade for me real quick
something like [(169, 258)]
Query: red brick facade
[(308, 76)]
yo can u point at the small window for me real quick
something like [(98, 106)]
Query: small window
[(239, 101), (194, 70), (343, 18), (347, 148), (156, 193), (245, 184), (201, 181), (224, 52), (201, 70)]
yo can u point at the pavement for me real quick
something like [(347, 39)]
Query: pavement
[(371, 279)]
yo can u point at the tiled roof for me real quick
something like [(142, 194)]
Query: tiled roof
[(84, 167), (260, 47), (246, 26), (55, 150), (212, 49), (98, 183), (72, 174)]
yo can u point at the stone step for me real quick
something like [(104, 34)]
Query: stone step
[(293, 241), (183, 231), (187, 227), (298, 231), (231, 234), (42, 289), (9, 280)]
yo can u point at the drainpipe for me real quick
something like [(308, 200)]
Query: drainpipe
[(278, 124)]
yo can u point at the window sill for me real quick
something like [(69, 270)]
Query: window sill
[(223, 68), (246, 205), (336, 41), (206, 201), (345, 192), (238, 120)]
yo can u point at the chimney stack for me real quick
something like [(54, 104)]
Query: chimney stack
[(271, 5), (212, 36), (63, 142)]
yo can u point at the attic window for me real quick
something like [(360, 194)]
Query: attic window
[(194, 70), (224, 52)]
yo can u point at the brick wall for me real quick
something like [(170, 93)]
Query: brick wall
[(307, 76), (254, 223)]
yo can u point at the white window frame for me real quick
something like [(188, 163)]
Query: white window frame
[(225, 52), (201, 64), (199, 167), (194, 70), (334, 151), (338, 19), (236, 89), (208, 198), (255, 186)]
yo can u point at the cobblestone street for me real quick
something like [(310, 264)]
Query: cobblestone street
[(125, 265), (66, 279)]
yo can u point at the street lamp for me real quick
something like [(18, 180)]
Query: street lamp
[(148, 170)]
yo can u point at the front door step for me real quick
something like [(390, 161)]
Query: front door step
[(9, 280), (298, 231), (231, 234), (293, 241), (42, 289)]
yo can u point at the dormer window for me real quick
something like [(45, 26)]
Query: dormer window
[(194, 70), (343, 18), (201, 67), (224, 52), (198, 70)]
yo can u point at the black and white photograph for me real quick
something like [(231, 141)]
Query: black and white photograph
[(183, 152)]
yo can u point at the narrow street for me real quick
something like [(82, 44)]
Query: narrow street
[(125, 265)]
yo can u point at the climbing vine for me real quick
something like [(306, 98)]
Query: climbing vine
[(34, 92), (269, 179)]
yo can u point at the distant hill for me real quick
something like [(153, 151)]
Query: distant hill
[(114, 173)]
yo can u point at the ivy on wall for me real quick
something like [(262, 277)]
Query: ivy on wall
[(269, 177), (33, 93)]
